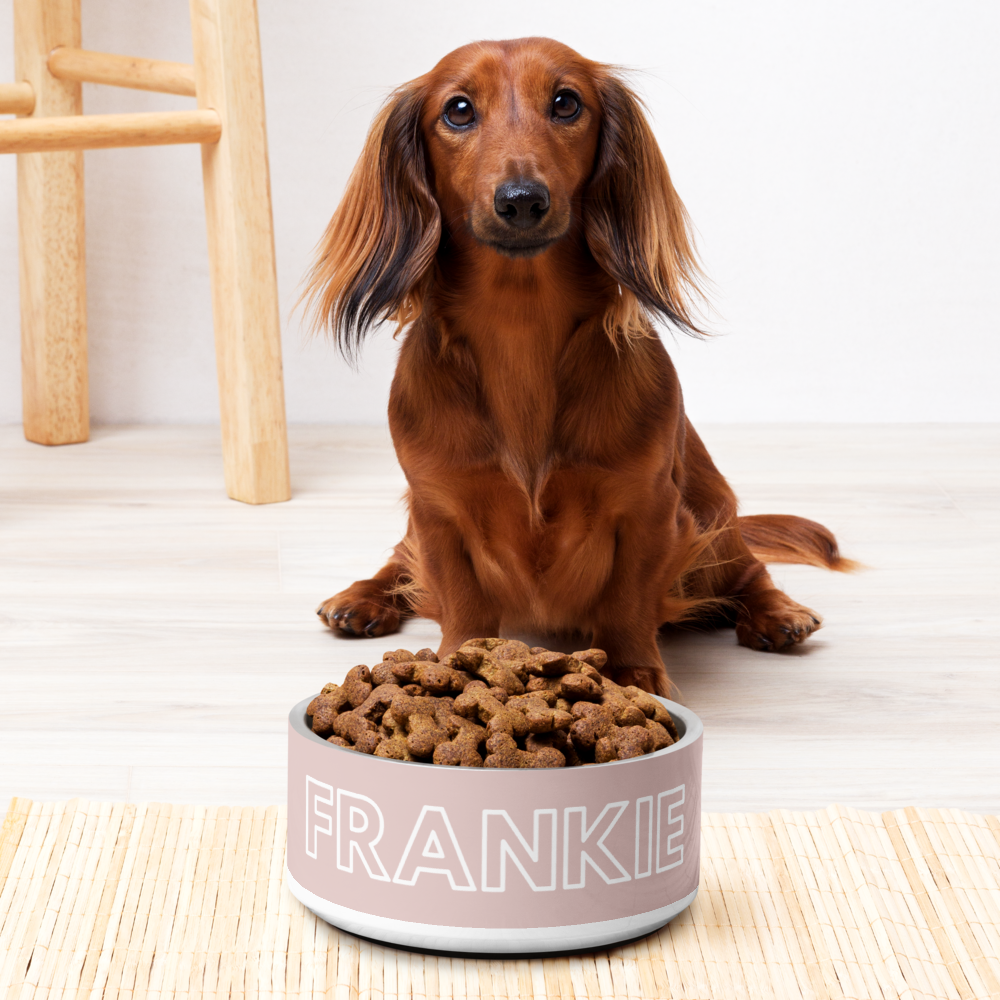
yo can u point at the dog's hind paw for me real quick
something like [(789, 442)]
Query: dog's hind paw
[(361, 615), (771, 622)]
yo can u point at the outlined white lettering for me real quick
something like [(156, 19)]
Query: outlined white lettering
[(314, 814), (441, 845), (535, 861), (672, 856), (363, 816), (576, 833), (644, 837)]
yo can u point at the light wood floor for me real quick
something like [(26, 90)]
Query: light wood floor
[(154, 634)]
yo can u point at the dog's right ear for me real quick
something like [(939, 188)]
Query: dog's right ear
[(380, 243)]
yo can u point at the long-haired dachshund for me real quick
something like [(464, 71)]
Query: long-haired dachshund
[(513, 213)]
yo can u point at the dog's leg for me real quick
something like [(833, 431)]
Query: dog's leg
[(626, 616), (372, 607), (455, 597)]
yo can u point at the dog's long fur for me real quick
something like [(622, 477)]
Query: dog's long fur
[(555, 483)]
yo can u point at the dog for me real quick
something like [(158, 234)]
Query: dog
[(513, 214)]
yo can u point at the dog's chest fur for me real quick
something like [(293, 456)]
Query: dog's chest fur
[(542, 461)]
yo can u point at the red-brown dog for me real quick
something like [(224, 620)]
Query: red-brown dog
[(512, 209)]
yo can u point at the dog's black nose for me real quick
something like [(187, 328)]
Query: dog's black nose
[(521, 203)]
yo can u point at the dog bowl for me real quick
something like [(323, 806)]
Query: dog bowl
[(486, 860)]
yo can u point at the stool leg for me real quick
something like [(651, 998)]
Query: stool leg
[(241, 251), (50, 225)]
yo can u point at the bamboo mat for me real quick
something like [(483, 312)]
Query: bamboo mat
[(109, 900)]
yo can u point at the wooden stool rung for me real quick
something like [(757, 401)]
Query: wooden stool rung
[(16, 99), (66, 63), (148, 128)]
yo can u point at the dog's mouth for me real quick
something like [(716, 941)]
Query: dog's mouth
[(520, 248)]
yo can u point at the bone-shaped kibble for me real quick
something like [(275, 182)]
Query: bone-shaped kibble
[(651, 708), (478, 703), (623, 743), (541, 718), (424, 735), (559, 740), (357, 684), (552, 664), (593, 722), (352, 726), (504, 752), (512, 649), (419, 717), (478, 661), (325, 707), (462, 750), (398, 656), (394, 747), (661, 737), (579, 687), (378, 702), (597, 658), (625, 712)]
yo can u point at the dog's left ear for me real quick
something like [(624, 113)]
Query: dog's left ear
[(375, 256), (636, 225)]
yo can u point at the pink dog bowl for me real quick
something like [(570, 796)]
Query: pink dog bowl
[(493, 860)]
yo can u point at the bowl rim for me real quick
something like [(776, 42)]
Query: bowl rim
[(693, 729)]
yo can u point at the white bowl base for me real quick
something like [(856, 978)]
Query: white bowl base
[(487, 940)]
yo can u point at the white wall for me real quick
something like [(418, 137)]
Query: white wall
[(840, 160)]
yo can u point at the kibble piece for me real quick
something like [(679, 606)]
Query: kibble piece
[(632, 741), (559, 740), (424, 735), (357, 684), (592, 726), (394, 747), (551, 664), (325, 708), (378, 702), (661, 738), (579, 687), (482, 705), (651, 708), (382, 673), (368, 742), (462, 750), (352, 726), (511, 650), (428, 655), (597, 658), (541, 718), (504, 752), (398, 656), (337, 741), (475, 660)]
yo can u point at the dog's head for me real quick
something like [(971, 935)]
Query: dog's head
[(506, 148)]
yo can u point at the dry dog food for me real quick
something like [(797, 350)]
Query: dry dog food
[(492, 703)]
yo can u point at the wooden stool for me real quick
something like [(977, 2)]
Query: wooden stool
[(229, 124)]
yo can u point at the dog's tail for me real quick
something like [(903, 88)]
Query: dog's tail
[(784, 538)]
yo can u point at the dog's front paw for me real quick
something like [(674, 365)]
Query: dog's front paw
[(771, 621), (359, 613)]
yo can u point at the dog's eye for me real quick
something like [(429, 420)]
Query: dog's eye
[(460, 112), (566, 105)]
